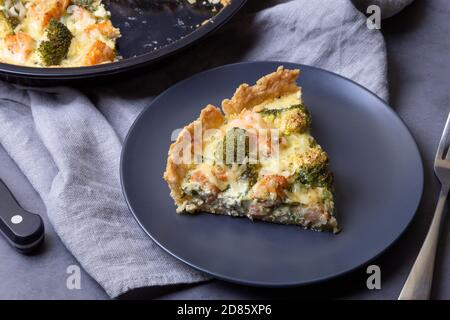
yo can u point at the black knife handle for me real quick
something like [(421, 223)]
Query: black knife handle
[(23, 230)]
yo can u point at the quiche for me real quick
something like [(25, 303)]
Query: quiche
[(255, 158), (62, 33)]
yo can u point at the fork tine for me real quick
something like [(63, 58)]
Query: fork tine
[(443, 143)]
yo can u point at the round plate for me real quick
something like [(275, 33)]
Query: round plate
[(378, 179), (151, 30)]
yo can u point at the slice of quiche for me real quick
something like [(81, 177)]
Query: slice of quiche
[(255, 158)]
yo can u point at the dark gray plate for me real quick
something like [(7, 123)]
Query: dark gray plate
[(378, 170)]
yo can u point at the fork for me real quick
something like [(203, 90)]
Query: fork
[(418, 284)]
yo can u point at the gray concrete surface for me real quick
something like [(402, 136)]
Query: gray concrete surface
[(419, 72)]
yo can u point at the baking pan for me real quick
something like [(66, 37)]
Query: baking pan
[(151, 31)]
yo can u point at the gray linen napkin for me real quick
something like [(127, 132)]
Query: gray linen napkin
[(68, 142)]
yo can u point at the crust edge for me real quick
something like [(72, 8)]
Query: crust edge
[(210, 117), (278, 83)]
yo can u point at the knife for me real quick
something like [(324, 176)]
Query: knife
[(23, 230)]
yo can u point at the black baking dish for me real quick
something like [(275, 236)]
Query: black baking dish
[(151, 31)]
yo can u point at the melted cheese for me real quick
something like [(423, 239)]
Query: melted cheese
[(281, 102), (210, 145), (237, 187), (285, 161), (309, 196)]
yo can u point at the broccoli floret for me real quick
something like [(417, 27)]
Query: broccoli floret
[(13, 21), (251, 173), (316, 176), (53, 50), (314, 170), (83, 3), (295, 118), (327, 196), (234, 148), (7, 24), (5, 27), (277, 112)]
